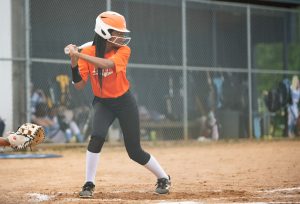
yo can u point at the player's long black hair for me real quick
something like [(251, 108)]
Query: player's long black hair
[(100, 44)]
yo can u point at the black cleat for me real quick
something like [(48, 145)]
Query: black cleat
[(87, 190), (163, 185)]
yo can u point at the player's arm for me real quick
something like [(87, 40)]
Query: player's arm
[(97, 61), (79, 84), (4, 142)]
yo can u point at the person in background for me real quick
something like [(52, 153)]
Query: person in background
[(38, 96), (293, 110), (2, 127), (68, 125), (47, 118)]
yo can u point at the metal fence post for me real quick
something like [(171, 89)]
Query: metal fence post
[(108, 5), (184, 72), (28, 60), (249, 50)]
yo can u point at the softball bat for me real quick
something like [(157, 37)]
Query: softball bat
[(67, 51)]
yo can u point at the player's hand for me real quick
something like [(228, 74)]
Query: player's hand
[(73, 50), (73, 53)]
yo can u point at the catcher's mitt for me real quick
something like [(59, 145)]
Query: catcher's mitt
[(28, 135)]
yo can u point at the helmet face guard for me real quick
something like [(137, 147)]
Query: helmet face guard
[(120, 41), (114, 21)]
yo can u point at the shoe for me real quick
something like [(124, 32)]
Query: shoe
[(163, 185), (87, 190)]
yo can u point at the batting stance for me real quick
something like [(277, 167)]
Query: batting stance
[(105, 62)]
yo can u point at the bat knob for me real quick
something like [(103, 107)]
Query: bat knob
[(67, 51)]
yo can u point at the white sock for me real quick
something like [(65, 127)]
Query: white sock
[(155, 168), (91, 166)]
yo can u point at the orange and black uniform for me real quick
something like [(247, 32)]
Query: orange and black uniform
[(114, 82), (113, 99)]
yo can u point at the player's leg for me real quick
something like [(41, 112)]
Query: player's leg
[(291, 121), (103, 118), (130, 125)]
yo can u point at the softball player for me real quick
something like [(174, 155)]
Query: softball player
[(293, 110), (105, 62)]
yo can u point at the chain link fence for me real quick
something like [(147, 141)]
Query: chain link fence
[(199, 69)]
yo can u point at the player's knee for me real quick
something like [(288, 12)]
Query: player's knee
[(95, 144), (99, 132), (139, 156)]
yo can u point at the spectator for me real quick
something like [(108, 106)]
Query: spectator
[(38, 96), (68, 125), (293, 111), (50, 123), (2, 127)]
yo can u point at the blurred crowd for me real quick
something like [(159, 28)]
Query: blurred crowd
[(65, 122), (61, 124)]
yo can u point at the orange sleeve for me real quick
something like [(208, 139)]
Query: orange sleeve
[(120, 58), (83, 67)]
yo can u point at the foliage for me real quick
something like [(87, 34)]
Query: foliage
[(268, 57), (294, 57)]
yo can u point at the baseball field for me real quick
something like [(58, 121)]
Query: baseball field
[(211, 172)]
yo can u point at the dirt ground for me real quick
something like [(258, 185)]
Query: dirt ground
[(240, 171)]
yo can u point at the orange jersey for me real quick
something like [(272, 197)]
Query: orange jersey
[(114, 81)]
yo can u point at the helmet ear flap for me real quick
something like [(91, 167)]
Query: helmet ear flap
[(103, 33)]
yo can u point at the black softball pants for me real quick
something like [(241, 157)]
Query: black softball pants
[(124, 108)]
